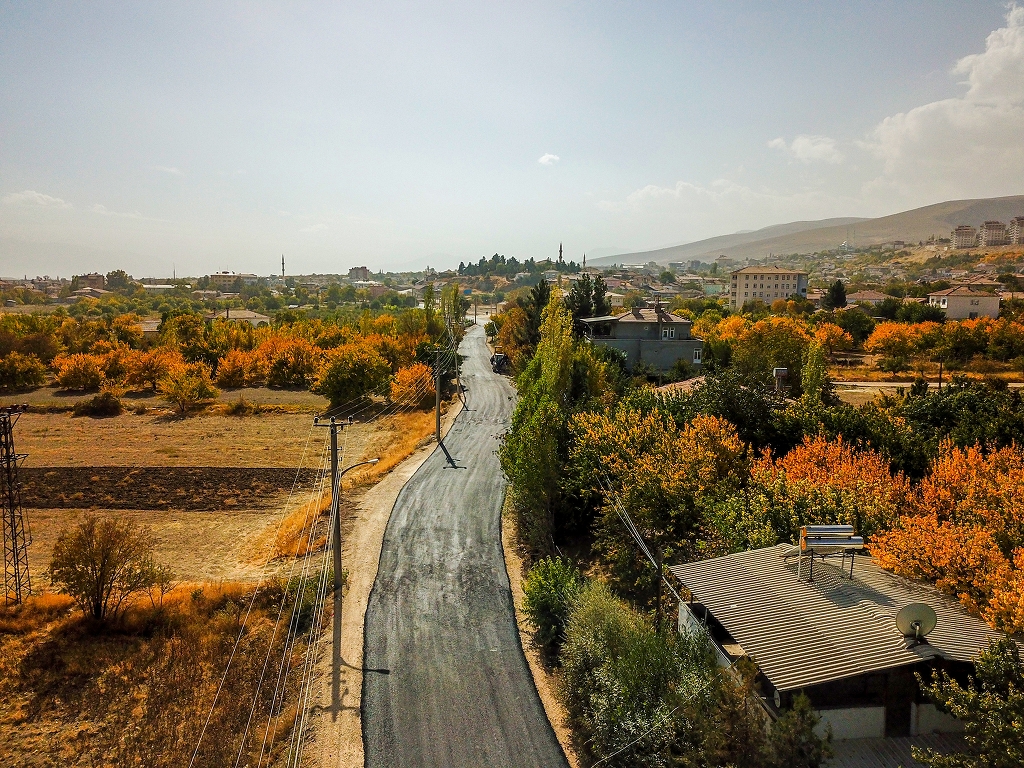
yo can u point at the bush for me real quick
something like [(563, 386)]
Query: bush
[(352, 372), (188, 386), (413, 385), (629, 689), (104, 564), (19, 372), (551, 587), (103, 404), (78, 372)]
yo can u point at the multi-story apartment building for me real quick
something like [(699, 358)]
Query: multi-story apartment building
[(766, 284), (224, 281), (964, 236), (1015, 232), (358, 273), (992, 233)]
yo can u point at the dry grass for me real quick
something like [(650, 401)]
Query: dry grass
[(75, 693)]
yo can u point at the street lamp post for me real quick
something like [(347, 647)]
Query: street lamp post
[(336, 515)]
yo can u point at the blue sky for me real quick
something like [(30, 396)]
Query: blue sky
[(207, 136)]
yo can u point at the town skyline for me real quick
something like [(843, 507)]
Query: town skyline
[(188, 147)]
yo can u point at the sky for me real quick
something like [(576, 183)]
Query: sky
[(183, 138)]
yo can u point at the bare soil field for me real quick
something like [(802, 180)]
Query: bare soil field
[(51, 397)]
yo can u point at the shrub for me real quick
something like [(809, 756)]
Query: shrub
[(146, 369), (188, 386), (413, 385), (103, 404), (550, 588), (19, 372), (352, 372), (103, 564), (239, 369), (78, 372)]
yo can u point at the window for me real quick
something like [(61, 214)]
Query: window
[(668, 333), (696, 355)]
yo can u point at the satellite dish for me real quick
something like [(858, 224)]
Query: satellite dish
[(916, 620)]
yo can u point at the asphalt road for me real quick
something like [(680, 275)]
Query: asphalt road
[(446, 683)]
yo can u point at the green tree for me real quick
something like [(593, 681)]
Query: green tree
[(991, 706), (580, 299), (352, 372), (550, 588), (602, 304), (835, 296), (119, 280)]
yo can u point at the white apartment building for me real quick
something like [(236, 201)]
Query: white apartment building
[(766, 284), (1015, 232), (992, 233), (964, 236)]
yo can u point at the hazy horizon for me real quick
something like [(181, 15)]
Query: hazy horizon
[(203, 137)]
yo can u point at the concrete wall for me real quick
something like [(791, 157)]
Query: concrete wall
[(925, 718), (661, 355), (853, 723)]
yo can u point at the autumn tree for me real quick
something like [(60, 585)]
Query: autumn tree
[(78, 371), (188, 386), (413, 385), (103, 564), (894, 343)]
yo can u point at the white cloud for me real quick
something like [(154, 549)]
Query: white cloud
[(810, 149), (966, 145), (548, 159), (29, 197), (104, 211), (165, 169)]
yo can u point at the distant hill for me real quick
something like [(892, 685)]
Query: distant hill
[(812, 236)]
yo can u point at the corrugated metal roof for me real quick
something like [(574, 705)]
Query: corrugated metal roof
[(803, 634)]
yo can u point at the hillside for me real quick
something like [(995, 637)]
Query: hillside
[(812, 236)]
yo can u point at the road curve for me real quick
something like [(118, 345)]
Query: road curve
[(446, 682)]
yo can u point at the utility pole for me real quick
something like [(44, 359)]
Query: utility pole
[(437, 402), (334, 425), (17, 582)]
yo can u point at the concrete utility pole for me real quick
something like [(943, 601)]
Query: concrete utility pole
[(334, 425), (437, 404)]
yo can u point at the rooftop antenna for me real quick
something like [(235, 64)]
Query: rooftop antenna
[(915, 621)]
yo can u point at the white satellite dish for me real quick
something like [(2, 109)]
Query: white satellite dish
[(916, 621)]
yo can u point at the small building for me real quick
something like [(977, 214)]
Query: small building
[(648, 335), (159, 288), (866, 297), (766, 284), (833, 636), (965, 303), (964, 236), (358, 273), (92, 280), (992, 233), (90, 293), (150, 327), (240, 316)]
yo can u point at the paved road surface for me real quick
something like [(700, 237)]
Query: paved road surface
[(446, 682)]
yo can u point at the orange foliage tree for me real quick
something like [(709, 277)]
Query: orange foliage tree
[(828, 482), (414, 385), (965, 532)]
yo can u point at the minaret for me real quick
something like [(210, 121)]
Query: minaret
[(584, 261), (559, 253), (282, 266)]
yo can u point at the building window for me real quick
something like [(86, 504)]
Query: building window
[(668, 333), (696, 355)]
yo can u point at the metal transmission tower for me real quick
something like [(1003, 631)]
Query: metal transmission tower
[(17, 584)]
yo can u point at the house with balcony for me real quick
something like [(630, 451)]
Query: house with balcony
[(649, 335)]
